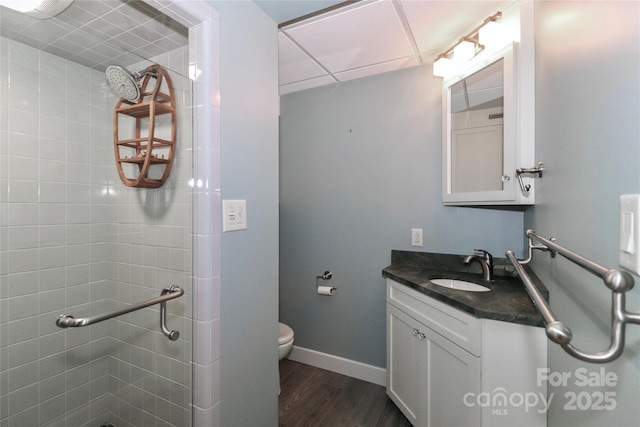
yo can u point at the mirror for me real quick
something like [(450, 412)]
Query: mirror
[(479, 140), (477, 111)]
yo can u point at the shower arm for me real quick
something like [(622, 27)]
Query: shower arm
[(140, 74), (68, 321)]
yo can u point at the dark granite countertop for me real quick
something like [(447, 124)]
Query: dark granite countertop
[(507, 301)]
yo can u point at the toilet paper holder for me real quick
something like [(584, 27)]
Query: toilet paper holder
[(327, 275)]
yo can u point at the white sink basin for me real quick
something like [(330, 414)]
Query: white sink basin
[(460, 285)]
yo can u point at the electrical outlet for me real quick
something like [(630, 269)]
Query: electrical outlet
[(416, 237)]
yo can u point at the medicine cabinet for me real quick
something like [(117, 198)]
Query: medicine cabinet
[(488, 132)]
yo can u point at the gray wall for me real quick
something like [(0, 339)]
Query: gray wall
[(359, 167), (588, 135), (249, 131)]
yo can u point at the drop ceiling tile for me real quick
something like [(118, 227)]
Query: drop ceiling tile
[(306, 84), (491, 76), (486, 86), (295, 65), (458, 103), (377, 69), (437, 25), (492, 96), (359, 36)]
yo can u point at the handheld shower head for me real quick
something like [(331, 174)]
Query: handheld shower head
[(125, 83)]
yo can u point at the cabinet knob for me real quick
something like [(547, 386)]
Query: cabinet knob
[(421, 336), (415, 332)]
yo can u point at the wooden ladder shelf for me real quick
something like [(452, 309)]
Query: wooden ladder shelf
[(142, 147)]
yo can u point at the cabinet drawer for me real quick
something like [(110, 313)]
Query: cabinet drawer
[(459, 327)]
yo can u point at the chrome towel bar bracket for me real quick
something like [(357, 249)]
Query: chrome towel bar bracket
[(68, 321), (618, 281)]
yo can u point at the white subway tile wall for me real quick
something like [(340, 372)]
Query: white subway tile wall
[(74, 239)]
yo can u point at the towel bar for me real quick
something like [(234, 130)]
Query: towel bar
[(68, 321)]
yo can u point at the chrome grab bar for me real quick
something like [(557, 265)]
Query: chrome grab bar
[(68, 321), (172, 335), (617, 280)]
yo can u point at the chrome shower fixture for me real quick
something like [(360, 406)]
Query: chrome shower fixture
[(125, 83)]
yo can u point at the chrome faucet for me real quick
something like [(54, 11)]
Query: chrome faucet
[(486, 262)]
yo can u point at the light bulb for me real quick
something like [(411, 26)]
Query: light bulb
[(464, 51), (490, 35), (442, 66)]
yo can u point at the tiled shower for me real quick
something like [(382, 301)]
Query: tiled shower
[(75, 240)]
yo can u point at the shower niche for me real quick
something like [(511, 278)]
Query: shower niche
[(144, 125)]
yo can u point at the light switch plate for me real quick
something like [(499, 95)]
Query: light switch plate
[(234, 214), (630, 232)]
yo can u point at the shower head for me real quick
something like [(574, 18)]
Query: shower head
[(124, 83)]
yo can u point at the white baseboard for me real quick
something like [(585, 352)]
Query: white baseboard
[(340, 365)]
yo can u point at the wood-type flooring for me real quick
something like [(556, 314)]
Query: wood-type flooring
[(314, 397)]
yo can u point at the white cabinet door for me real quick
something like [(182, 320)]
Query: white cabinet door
[(452, 384), (477, 159), (405, 363), (428, 376)]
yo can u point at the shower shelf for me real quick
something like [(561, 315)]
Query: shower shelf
[(154, 113)]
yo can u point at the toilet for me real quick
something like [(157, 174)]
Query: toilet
[(285, 344), (285, 340)]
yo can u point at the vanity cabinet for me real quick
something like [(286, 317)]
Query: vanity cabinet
[(446, 367), (422, 364)]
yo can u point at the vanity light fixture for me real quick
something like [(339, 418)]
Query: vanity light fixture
[(468, 46), (465, 50), (490, 34), (442, 66), (41, 9)]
